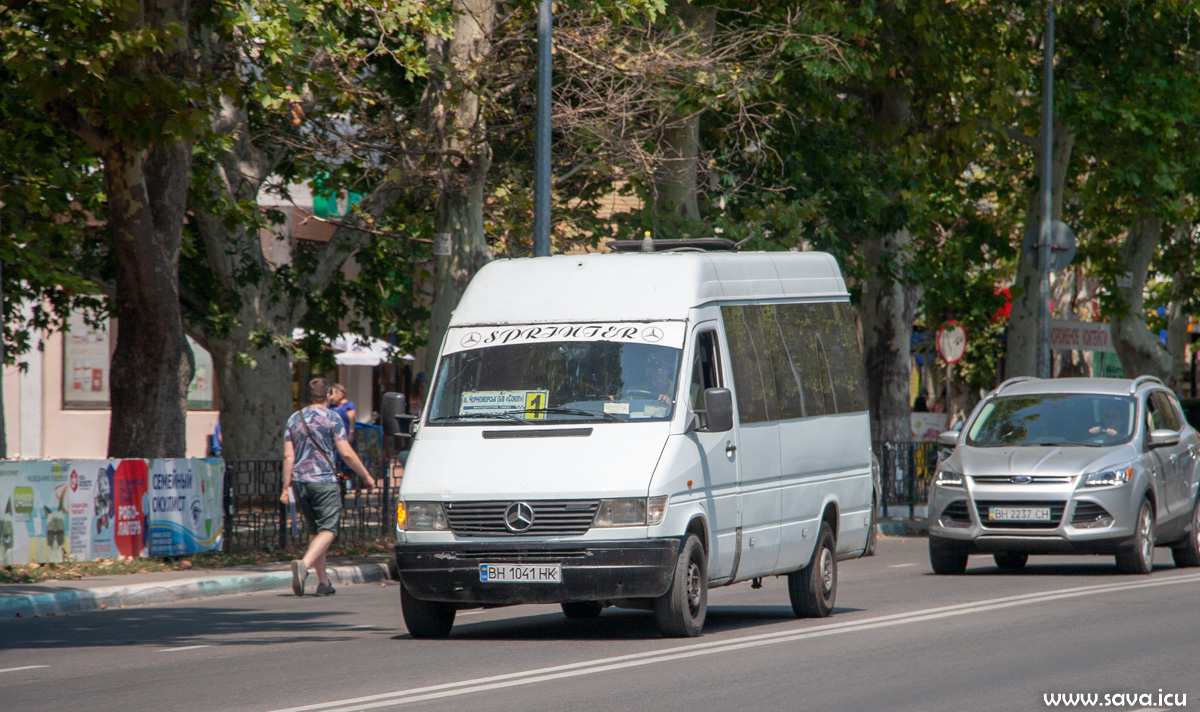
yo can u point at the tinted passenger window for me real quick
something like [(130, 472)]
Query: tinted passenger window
[(799, 360), (1162, 415)]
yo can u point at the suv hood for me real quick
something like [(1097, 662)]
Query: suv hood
[(1040, 460), (459, 463)]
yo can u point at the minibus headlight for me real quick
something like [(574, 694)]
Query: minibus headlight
[(630, 512), (421, 516)]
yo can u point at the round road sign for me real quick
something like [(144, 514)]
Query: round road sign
[(951, 342)]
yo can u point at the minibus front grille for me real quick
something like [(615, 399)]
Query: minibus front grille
[(563, 517)]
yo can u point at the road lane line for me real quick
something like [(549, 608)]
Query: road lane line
[(558, 672), (186, 647), (23, 667), (901, 566)]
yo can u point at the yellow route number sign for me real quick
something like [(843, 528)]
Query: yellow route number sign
[(535, 403)]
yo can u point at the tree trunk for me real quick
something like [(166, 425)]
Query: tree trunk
[(1021, 353), (256, 392), (888, 307), (152, 364), (676, 182), (1139, 349), (454, 119)]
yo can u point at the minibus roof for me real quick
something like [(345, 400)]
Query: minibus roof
[(639, 287)]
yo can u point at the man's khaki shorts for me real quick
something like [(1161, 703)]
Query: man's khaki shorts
[(321, 504)]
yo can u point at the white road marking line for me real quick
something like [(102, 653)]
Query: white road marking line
[(901, 566), (186, 647), (23, 667), (558, 672)]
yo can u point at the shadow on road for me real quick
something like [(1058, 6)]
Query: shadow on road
[(162, 626), (615, 624)]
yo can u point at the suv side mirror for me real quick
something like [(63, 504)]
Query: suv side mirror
[(718, 410), (948, 438), (395, 420), (1163, 438)]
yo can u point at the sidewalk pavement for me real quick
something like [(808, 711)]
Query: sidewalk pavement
[(99, 592)]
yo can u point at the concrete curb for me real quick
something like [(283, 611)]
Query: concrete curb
[(75, 600)]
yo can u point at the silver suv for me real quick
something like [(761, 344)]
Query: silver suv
[(1068, 466)]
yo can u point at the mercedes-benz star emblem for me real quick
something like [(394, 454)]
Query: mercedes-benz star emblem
[(518, 517), (652, 333), (470, 339)]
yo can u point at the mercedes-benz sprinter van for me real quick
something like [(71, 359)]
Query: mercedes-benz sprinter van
[(633, 429)]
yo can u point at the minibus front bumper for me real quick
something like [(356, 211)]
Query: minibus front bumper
[(591, 571)]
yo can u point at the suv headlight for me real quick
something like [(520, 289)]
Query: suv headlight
[(631, 512), (1109, 478), (421, 516), (947, 478)]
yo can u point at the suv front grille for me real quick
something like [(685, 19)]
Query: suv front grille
[(1033, 479), (982, 507), (566, 517)]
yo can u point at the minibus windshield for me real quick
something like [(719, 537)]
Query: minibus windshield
[(561, 381)]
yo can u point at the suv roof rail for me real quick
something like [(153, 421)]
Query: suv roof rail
[(1144, 379), (1011, 381)]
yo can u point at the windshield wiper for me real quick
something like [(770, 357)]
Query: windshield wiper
[(482, 416), (573, 411)]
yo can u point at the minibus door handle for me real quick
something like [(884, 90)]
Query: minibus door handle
[(730, 448)]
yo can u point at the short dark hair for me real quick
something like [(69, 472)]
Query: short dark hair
[(318, 390)]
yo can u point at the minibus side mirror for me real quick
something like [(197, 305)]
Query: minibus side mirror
[(395, 420), (718, 410)]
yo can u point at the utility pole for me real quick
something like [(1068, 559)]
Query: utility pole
[(541, 182), (1043, 320)]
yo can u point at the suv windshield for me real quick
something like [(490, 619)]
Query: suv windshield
[(577, 381), (1054, 419)]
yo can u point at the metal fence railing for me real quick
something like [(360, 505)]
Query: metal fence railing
[(907, 468), (256, 519)]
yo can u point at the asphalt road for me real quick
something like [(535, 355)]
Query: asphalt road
[(900, 639)]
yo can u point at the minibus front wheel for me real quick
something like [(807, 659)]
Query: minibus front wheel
[(680, 611), (426, 619)]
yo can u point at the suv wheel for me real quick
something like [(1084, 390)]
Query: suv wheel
[(1140, 559), (946, 560), (1187, 552)]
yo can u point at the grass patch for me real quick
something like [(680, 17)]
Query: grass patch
[(35, 573)]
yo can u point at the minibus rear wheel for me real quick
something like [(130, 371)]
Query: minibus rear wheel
[(426, 619), (680, 611), (813, 589)]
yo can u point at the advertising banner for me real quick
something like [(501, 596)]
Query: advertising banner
[(185, 506), (93, 508), (130, 492), (35, 516)]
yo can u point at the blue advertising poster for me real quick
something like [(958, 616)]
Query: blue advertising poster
[(185, 515), (93, 508)]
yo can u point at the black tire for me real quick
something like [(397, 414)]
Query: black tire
[(1011, 560), (946, 560), (680, 612), (582, 610), (426, 619), (873, 532), (813, 589), (1140, 559), (1187, 552)]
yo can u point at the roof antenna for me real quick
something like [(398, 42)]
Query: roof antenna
[(647, 243)]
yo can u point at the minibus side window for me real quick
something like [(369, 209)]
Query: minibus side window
[(750, 354), (706, 367)]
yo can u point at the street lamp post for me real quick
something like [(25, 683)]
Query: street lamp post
[(541, 183), (1044, 233)]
